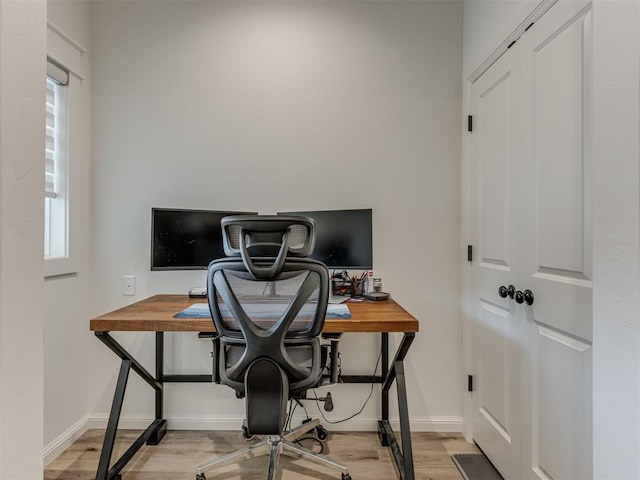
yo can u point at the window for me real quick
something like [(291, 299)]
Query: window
[(56, 201)]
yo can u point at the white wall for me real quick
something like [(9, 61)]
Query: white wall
[(22, 120), (67, 340), (616, 302), (273, 106)]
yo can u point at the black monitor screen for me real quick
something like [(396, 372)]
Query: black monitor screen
[(185, 239), (343, 237)]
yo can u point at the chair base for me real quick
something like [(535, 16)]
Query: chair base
[(274, 445)]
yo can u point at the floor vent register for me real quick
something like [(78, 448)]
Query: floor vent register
[(475, 466)]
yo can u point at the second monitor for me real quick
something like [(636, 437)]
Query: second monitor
[(343, 237)]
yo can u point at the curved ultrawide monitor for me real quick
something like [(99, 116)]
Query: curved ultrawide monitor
[(186, 239), (343, 237)]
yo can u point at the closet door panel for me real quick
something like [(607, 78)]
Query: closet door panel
[(494, 195), (558, 151), (561, 441), (557, 167), (556, 242)]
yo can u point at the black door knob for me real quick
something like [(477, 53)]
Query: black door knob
[(528, 297), (524, 297), (519, 297), (505, 292)]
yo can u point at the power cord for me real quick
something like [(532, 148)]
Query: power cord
[(315, 440), (292, 408), (333, 422)]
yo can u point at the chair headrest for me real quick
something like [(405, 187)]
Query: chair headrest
[(280, 236)]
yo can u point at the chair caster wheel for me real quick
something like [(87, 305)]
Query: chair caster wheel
[(322, 433), (346, 476), (200, 476), (245, 434)]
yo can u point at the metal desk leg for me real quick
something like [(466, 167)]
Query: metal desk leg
[(160, 433), (114, 416), (403, 457), (155, 430), (384, 371)]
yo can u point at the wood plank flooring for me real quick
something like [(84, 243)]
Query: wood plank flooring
[(180, 452)]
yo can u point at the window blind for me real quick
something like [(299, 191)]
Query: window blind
[(50, 143), (57, 77), (57, 72)]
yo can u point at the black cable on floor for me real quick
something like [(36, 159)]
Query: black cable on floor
[(333, 422)]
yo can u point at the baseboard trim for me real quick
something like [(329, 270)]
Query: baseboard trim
[(97, 420), (62, 442), (443, 424), (417, 424)]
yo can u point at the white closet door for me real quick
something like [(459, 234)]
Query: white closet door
[(494, 197), (556, 242), (530, 195)]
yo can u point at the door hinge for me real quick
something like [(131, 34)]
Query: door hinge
[(469, 123), (470, 383), (469, 253)]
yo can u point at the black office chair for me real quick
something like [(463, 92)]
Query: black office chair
[(268, 304)]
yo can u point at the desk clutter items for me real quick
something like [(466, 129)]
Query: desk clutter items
[(258, 310), (198, 292), (377, 293), (376, 296), (344, 284)]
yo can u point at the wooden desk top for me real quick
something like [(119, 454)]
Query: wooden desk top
[(156, 314)]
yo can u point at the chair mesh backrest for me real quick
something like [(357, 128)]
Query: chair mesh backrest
[(297, 238), (262, 307), (265, 302)]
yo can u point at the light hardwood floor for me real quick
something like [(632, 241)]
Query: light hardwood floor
[(179, 453)]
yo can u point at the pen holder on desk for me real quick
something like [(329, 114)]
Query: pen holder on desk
[(341, 287), (348, 287)]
